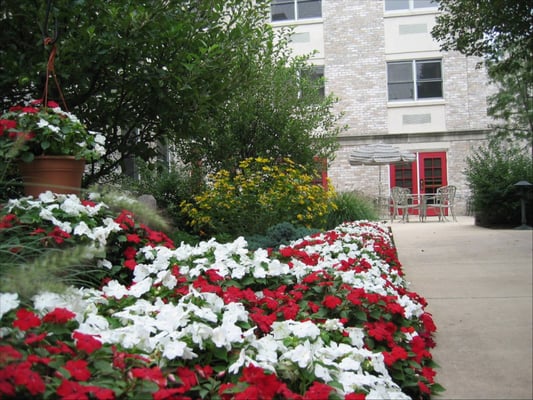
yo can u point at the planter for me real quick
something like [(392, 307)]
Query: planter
[(59, 174)]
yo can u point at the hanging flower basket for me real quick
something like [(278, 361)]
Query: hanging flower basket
[(59, 174), (36, 135)]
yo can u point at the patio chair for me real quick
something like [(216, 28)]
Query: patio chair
[(402, 199), (445, 199)]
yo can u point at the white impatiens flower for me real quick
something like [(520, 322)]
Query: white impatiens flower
[(8, 302), (301, 354), (115, 289)]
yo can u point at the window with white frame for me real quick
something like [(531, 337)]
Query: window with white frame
[(396, 5), (290, 10), (414, 79)]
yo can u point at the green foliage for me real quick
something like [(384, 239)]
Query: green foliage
[(282, 233), (280, 113), (512, 105), (501, 32), (170, 185), (486, 28), (350, 206), (31, 245), (152, 71), (260, 194), (491, 173)]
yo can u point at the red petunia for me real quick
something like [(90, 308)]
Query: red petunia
[(59, 316), (26, 320), (86, 343)]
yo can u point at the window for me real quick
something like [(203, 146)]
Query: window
[(394, 5), (316, 85), (287, 10), (414, 80)]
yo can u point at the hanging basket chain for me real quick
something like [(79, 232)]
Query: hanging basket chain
[(50, 66)]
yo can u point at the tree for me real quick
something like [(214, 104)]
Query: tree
[(501, 32), (280, 113), (141, 72)]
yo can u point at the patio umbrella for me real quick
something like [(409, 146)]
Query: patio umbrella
[(379, 154)]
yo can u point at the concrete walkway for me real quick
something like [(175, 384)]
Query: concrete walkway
[(478, 283)]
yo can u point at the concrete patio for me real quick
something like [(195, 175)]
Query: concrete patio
[(478, 283)]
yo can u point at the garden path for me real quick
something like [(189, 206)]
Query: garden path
[(478, 283)]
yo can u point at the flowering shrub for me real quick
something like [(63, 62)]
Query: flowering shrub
[(327, 317), (260, 194), (27, 131)]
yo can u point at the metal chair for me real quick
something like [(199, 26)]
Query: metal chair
[(445, 199), (401, 199)]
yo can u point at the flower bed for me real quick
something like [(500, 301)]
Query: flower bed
[(327, 317)]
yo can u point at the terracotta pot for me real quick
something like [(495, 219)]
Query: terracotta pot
[(59, 174)]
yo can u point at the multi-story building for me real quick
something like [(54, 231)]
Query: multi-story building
[(395, 86)]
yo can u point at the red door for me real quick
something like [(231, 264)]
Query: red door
[(422, 176)]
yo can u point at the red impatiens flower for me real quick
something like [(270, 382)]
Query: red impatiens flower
[(8, 220), (60, 348), (153, 374), (170, 394), (29, 379), (78, 369), (429, 374), (59, 235), (133, 238), (8, 354), (86, 343), (71, 390), (397, 353), (318, 390), (33, 338), (119, 358), (331, 302), (130, 252), (26, 320), (59, 316), (262, 386), (100, 393), (188, 378), (125, 220), (355, 396)]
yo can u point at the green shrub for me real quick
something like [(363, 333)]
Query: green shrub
[(282, 233), (491, 173), (261, 193), (350, 206), (170, 186)]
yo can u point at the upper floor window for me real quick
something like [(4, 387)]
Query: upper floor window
[(394, 5), (290, 10), (414, 80)]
